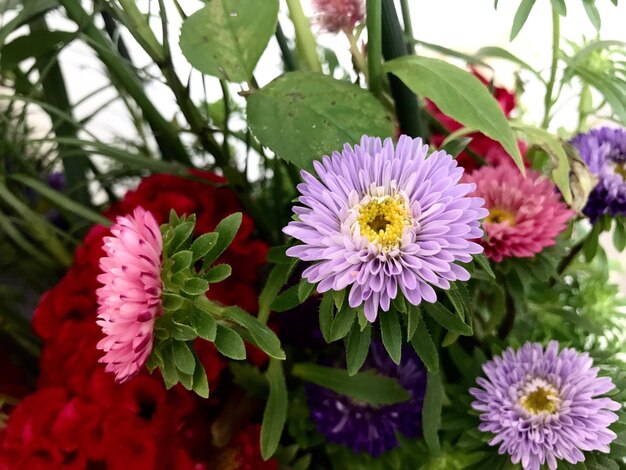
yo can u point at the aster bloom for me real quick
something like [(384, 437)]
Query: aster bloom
[(525, 213), (544, 404), (382, 219), (336, 15), (604, 152), (367, 428), (130, 299)]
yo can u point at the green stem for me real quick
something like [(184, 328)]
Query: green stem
[(305, 41), (358, 58), (556, 35), (289, 59), (374, 46), (408, 26)]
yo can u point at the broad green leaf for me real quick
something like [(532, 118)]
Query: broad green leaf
[(460, 95), (521, 15), (182, 260), (275, 281), (183, 357), (326, 315), (203, 323), (226, 229), (413, 320), (34, 45), (501, 53), (357, 347), (592, 13), (168, 369), (182, 233), (275, 413), (286, 300), (447, 319), (200, 381), (217, 273), (227, 37), (203, 244), (342, 323), (619, 234), (391, 333), (229, 343), (313, 115), (264, 338), (456, 146), (365, 386), (431, 412), (425, 348), (171, 301), (305, 289), (195, 286)]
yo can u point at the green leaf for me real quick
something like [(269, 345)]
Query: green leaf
[(431, 412), (483, 262), (342, 323), (521, 15), (501, 53), (456, 146), (591, 244), (447, 319), (182, 260), (226, 229), (305, 289), (425, 348), (275, 281), (619, 234), (182, 233), (171, 301), (35, 45), (413, 320), (250, 379), (357, 347), (183, 357), (326, 315), (277, 255), (592, 13), (286, 300), (264, 338), (559, 7), (229, 343), (218, 273), (458, 94), (168, 369), (203, 244), (275, 413), (203, 323), (227, 37), (200, 381), (195, 286), (365, 386), (314, 115), (391, 333)]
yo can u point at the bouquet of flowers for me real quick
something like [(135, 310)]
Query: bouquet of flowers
[(371, 265)]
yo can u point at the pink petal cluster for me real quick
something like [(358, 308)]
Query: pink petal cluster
[(525, 213), (336, 15), (130, 299)]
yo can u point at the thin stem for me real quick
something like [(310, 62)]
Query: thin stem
[(359, 60), (305, 42), (374, 46), (408, 26), (289, 59), (548, 101)]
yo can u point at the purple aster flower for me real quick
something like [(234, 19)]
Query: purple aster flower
[(364, 427), (604, 152), (381, 219), (543, 405)]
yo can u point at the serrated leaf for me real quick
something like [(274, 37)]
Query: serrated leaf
[(275, 413), (226, 229), (521, 15), (203, 244), (264, 337), (431, 412), (391, 334), (367, 386), (326, 316), (305, 289), (229, 343), (183, 357), (314, 115), (447, 319), (195, 286), (218, 273), (182, 260), (342, 323), (227, 37), (460, 95), (357, 347)]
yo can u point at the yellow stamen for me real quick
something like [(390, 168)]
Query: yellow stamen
[(498, 216), (620, 169), (382, 220), (541, 400)]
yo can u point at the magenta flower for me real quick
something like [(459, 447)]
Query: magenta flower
[(544, 405), (382, 219), (525, 214), (130, 299), (335, 15)]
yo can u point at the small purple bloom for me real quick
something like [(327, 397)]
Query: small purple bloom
[(364, 427), (604, 152), (382, 219), (543, 405)]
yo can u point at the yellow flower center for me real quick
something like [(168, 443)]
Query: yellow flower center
[(382, 220), (542, 399), (620, 169), (498, 216)]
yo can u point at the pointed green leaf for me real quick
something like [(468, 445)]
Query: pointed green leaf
[(195, 286), (229, 343), (275, 413), (425, 348), (592, 13), (203, 244), (483, 262), (447, 319), (342, 323), (171, 302), (431, 412), (326, 315), (218, 273), (392, 334), (521, 15), (182, 260), (200, 381), (226, 229), (181, 234), (286, 300), (619, 234), (357, 347), (168, 369), (203, 323), (264, 337), (183, 357), (413, 320), (305, 289)]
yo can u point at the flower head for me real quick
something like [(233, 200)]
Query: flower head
[(525, 213), (367, 428), (336, 15), (382, 219), (543, 405), (130, 299), (604, 152)]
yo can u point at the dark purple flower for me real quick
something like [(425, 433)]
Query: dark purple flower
[(604, 152), (385, 220), (367, 428), (544, 405)]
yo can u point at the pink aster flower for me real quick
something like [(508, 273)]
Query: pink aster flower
[(525, 214), (335, 15), (130, 299)]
